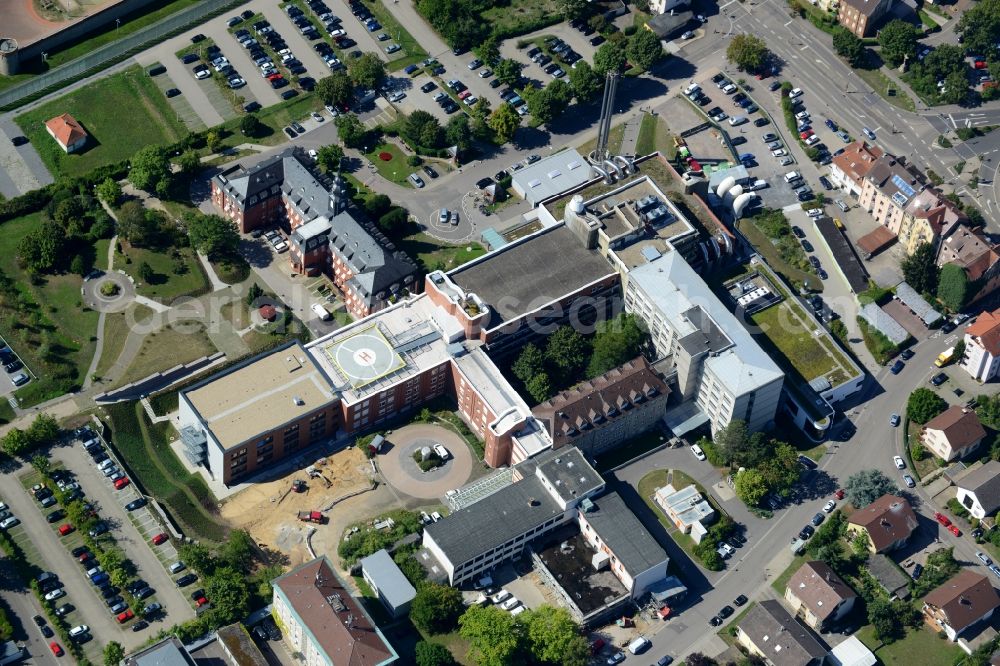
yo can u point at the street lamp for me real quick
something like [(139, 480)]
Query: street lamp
[(118, 24)]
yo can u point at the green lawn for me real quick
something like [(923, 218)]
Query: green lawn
[(654, 135), (783, 325), (768, 250), (880, 83), (176, 272), (520, 17), (44, 321), (396, 169), (781, 581), (932, 651), (411, 53), (116, 133), (432, 254), (274, 118), (116, 330), (167, 347)]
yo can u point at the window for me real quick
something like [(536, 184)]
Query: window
[(967, 501), (264, 442)]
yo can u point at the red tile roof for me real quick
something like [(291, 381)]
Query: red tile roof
[(857, 160), (964, 599), (887, 520), (987, 329), (66, 129)]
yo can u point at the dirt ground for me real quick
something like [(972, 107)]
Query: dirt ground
[(268, 510)]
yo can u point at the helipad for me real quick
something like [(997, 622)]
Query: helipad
[(364, 357)]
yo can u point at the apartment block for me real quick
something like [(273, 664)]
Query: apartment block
[(982, 347)]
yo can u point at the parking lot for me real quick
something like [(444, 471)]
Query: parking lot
[(15, 372)]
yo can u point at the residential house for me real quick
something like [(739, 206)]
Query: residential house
[(979, 490), (818, 595), (323, 622), (888, 189), (387, 581), (887, 522), (961, 602), (686, 508), (601, 413), (768, 631), (954, 433), (979, 257), (67, 132), (982, 347), (927, 218), (848, 169), (862, 17)]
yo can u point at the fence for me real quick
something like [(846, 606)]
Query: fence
[(107, 55)]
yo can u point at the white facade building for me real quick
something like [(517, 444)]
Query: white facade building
[(982, 347)]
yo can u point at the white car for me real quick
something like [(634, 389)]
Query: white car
[(812, 140), (79, 630), (780, 152), (280, 246), (698, 453), (313, 154), (441, 452), (518, 610), (500, 596), (7, 523), (55, 594), (510, 604), (396, 96), (815, 212), (338, 33), (202, 74), (900, 464), (829, 506), (802, 115), (471, 100), (729, 89), (794, 92)]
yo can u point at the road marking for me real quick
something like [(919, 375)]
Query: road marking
[(786, 24), (804, 47), (952, 119)]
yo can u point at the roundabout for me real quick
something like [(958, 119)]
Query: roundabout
[(402, 473), (108, 292)]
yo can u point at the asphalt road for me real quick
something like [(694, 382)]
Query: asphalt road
[(766, 553)]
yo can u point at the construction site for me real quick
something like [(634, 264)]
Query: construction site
[(299, 510)]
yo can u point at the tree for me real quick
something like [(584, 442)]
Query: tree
[(41, 464), (920, 269), (457, 132), (644, 49), (504, 123), (336, 89), (956, 88), (188, 161), (923, 405), (422, 129), (135, 224), (567, 351), (494, 636), (109, 191), (432, 654), (16, 442), (44, 429), (489, 50), (238, 550), (508, 70), (368, 71), (898, 40), (378, 205), (113, 653), (330, 158), (529, 363), (979, 26), (253, 294), (394, 222), (352, 132), (608, 58), (42, 249), (698, 659), (213, 140), (849, 46), (149, 167), (748, 52), (145, 272), (227, 588), (539, 387), (212, 235), (554, 638), (250, 125), (750, 487), (573, 9), (781, 469), (197, 557), (436, 608), (885, 619), (953, 287), (959, 349), (586, 83), (868, 485), (616, 341), (732, 440)]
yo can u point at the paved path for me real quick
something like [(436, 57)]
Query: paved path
[(217, 284), (630, 135), (99, 348), (399, 469)]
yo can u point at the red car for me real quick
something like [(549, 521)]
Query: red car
[(200, 601), (464, 94), (85, 556), (596, 646), (121, 483), (125, 616), (954, 530), (56, 649), (160, 538), (805, 135), (943, 519), (980, 64), (65, 529), (839, 494)]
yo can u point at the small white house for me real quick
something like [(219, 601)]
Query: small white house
[(979, 490), (388, 582)]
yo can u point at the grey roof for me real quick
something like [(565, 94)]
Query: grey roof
[(690, 307), (379, 269), (889, 575), (843, 253), (622, 532), (524, 276), (669, 24), (985, 484), (168, 652), (779, 636), (738, 172), (916, 302), (882, 322), (552, 175), (493, 521), (390, 581), (569, 473)]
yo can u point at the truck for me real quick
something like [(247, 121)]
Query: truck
[(944, 358), (311, 517)]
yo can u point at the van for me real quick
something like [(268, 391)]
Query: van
[(794, 92), (737, 120), (157, 70), (792, 175), (758, 185), (692, 89), (321, 312), (640, 644), (177, 567), (841, 205)]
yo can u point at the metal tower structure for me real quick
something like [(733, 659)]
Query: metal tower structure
[(607, 111)]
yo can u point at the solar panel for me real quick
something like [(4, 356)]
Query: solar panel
[(903, 186)]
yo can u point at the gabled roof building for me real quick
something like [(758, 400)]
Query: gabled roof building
[(888, 523), (67, 132), (769, 632), (954, 433), (979, 490), (961, 602), (818, 595)]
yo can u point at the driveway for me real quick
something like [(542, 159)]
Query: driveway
[(23, 602), (400, 470)]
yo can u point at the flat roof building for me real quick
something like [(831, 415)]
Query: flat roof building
[(685, 508), (168, 652), (551, 176), (387, 581)]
